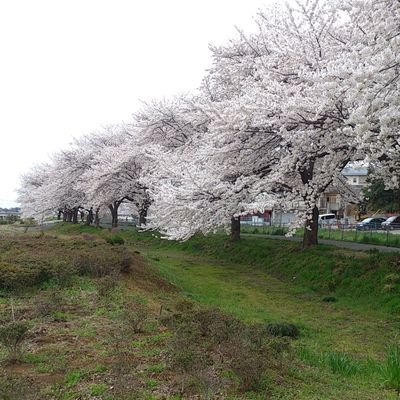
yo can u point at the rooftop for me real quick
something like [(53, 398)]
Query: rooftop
[(355, 171)]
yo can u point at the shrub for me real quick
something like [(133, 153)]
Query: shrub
[(207, 340), (207, 382), (115, 239), (12, 336), (29, 262), (101, 262), (13, 388), (283, 329), (135, 316), (217, 325), (250, 364), (184, 306), (15, 277)]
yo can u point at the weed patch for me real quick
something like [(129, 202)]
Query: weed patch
[(206, 341), (12, 337), (29, 262), (391, 369), (283, 329)]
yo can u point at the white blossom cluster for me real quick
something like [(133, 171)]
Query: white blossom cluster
[(279, 114)]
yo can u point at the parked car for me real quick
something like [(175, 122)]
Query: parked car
[(370, 224), (327, 219), (392, 222)]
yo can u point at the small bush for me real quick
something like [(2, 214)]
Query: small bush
[(217, 325), (283, 329), (16, 277), (206, 341), (12, 336), (101, 262), (135, 317), (184, 306), (28, 262), (13, 388), (115, 239)]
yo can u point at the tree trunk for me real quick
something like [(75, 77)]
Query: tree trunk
[(114, 213), (97, 218), (75, 215), (235, 228), (143, 207), (310, 237), (65, 214), (69, 215), (142, 217)]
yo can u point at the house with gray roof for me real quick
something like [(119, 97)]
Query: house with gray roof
[(356, 176)]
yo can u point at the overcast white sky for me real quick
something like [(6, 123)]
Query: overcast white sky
[(69, 67)]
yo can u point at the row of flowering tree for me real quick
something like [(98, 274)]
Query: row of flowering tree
[(279, 114)]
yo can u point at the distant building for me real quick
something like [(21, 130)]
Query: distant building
[(356, 176), (7, 213), (333, 201), (340, 199)]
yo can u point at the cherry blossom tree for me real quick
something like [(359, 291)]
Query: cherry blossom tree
[(115, 176), (283, 106), (190, 191), (32, 190), (279, 115), (372, 72)]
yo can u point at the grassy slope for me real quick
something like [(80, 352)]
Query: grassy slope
[(261, 280), (257, 280), (80, 344)]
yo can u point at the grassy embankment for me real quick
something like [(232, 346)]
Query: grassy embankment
[(340, 353), (75, 324), (263, 281), (382, 238)]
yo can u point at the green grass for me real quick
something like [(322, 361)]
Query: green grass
[(391, 368), (353, 277), (97, 389), (341, 352), (262, 280)]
